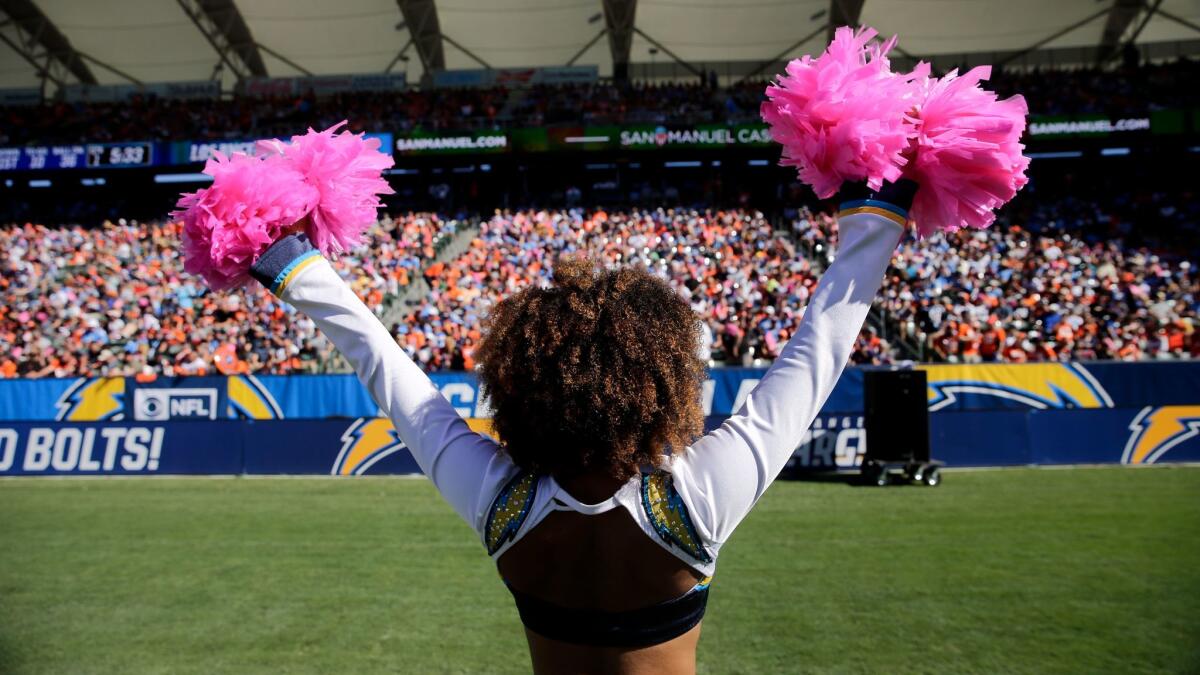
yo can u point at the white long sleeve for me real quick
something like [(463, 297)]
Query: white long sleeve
[(466, 467), (723, 475)]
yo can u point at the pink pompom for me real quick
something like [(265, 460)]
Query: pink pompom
[(227, 226), (841, 116), (333, 179), (967, 157), (346, 170)]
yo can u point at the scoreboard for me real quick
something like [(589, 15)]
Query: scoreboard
[(120, 154), (90, 155)]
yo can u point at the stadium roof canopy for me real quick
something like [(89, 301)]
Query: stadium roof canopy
[(118, 41)]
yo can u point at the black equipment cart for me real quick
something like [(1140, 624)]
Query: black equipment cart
[(897, 425)]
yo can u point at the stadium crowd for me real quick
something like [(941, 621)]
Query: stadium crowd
[(116, 301), (645, 103), (1054, 280), (743, 277), (1063, 283), (1132, 90), (157, 119)]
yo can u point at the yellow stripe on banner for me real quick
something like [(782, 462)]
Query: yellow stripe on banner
[(295, 270), (875, 211)]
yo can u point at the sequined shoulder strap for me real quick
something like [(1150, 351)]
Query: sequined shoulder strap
[(509, 510), (669, 515)]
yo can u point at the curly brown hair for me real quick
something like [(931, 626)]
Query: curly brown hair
[(597, 373)]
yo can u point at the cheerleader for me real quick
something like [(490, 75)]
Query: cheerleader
[(602, 506), (607, 543)]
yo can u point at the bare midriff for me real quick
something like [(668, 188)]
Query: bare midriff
[(601, 562)]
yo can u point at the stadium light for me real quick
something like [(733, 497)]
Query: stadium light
[(169, 178), (40, 183), (1114, 152), (1054, 155)]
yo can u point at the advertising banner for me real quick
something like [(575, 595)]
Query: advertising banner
[(324, 85), (112, 93), (198, 152), (586, 138), (549, 75), (951, 388), (480, 141), (370, 446), (1061, 126), (651, 137), (1134, 436), (115, 448), (981, 415), (510, 77), (20, 96)]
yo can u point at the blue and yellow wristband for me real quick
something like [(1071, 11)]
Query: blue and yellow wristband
[(892, 201), (285, 259)]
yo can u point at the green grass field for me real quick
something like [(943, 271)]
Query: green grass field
[(1022, 571)]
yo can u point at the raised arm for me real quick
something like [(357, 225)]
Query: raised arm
[(466, 467), (724, 473)]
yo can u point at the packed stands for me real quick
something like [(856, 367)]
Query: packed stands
[(1069, 281), (1129, 91), (115, 301), (151, 118), (743, 277), (1049, 288), (646, 103), (1133, 90)]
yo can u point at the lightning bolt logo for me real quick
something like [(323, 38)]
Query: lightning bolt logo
[(1157, 430), (249, 399), (365, 443), (1040, 386), (94, 399), (509, 510)]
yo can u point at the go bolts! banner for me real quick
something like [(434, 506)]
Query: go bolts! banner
[(981, 415)]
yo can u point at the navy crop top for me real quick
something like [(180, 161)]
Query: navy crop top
[(633, 628)]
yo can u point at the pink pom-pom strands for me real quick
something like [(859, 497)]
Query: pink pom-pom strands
[(967, 157), (345, 169), (845, 117), (329, 181), (841, 117), (250, 204)]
